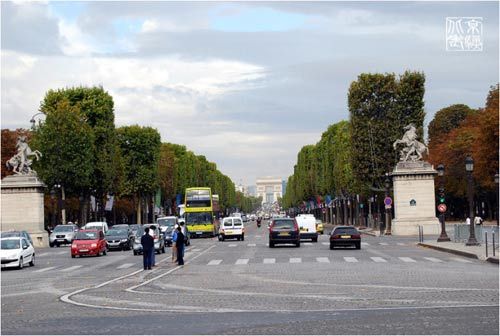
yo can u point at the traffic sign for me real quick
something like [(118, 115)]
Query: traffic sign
[(442, 208), (388, 201)]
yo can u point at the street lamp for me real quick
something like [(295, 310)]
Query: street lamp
[(387, 185), (443, 237), (496, 189), (469, 168), (54, 210), (32, 120)]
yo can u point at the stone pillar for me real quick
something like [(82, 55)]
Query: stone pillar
[(414, 199), (23, 207)]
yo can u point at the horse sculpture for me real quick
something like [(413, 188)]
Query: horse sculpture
[(21, 163), (413, 149)]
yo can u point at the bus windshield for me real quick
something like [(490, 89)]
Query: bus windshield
[(193, 218)]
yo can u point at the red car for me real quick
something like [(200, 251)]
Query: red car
[(89, 242)]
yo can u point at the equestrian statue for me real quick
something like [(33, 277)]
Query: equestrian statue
[(413, 149), (21, 163)]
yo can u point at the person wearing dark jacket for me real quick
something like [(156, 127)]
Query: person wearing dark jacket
[(179, 243), (148, 244)]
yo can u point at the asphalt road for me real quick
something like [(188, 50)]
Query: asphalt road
[(390, 286)]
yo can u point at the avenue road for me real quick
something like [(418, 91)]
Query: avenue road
[(390, 286)]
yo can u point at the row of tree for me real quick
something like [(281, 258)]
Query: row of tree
[(352, 158), (86, 159)]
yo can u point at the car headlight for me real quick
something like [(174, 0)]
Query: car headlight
[(124, 240), (93, 245)]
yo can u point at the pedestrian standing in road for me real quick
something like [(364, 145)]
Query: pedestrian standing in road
[(478, 220), (152, 233), (184, 232), (180, 246), (467, 221), (148, 244), (174, 247)]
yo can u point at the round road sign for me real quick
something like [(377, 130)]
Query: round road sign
[(442, 207), (388, 201)]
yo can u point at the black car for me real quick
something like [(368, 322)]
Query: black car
[(284, 231), (118, 239), (345, 236)]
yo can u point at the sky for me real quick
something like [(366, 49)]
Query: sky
[(246, 84)]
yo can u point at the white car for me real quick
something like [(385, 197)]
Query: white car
[(307, 225), (232, 227), (103, 226), (16, 252)]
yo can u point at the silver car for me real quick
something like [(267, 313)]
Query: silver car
[(63, 234)]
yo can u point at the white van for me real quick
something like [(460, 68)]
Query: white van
[(232, 227), (307, 227), (103, 226)]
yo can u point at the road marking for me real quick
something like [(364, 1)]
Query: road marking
[(241, 262), (72, 268), (365, 244), (269, 260), (44, 269), (325, 243), (125, 266), (258, 236), (197, 250), (433, 259), (308, 244), (384, 244), (350, 259), (401, 244), (42, 254), (407, 259), (295, 260), (214, 262), (378, 259), (462, 260), (232, 245), (323, 260), (251, 245)]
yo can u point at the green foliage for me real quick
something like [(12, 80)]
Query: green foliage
[(447, 119)]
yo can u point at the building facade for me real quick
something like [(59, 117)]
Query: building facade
[(269, 188)]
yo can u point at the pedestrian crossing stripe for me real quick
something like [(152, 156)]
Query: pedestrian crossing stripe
[(350, 259), (401, 244), (365, 244), (251, 245), (378, 259), (232, 245), (407, 259), (325, 243), (241, 262), (462, 260), (72, 268), (308, 244), (322, 260), (269, 261), (45, 269), (214, 262), (295, 260), (384, 244), (125, 266), (433, 259)]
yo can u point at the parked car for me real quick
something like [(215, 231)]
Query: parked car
[(345, 236), (307, 227), (103, 226), (63, 234), (232, 227), (319, 226), (121, 226), (134, 228), (88, 243), (284, 231), (157, 235), (118, 239), (16, 252), (165, 222), (19, 234)]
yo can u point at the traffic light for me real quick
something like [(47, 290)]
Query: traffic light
[(441, 195)]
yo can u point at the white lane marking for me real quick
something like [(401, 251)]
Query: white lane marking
[(461, 260), (251, 245), (214, 262), (72, 268), (365, 244), (258, 236), (384, 244), (350, 259), (433, 259), (44, 269), (324, 243), (125, 266), (378, 259), (401, 244), (269, 260), (295, 260), (241, 262), (308, 244), (232, 245), (196, 250), (407, 259), (323, 260), (267, 244), (42, 254)]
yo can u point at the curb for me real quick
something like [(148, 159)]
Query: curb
[(492, 260), (369, 233), (461, 253)]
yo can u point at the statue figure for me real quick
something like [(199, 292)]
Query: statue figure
[(21, 162), (413, 149)]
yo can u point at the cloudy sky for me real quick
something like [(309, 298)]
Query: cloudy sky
[(245, 84)]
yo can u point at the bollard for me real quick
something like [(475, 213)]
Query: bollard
[(493, 238), (486, 243)]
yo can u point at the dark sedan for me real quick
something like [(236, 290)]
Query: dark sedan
[(118, 239), (284, 231), (345, 236)]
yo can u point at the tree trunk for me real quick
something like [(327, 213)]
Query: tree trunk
[(139, 210)]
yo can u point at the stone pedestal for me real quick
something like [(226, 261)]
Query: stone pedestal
[(414, 199), (23, 207)]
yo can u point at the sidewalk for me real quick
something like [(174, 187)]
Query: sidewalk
[(476, 252)]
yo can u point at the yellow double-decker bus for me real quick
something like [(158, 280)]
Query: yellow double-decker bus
[(199, 212)]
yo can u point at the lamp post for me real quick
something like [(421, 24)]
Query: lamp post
[(54, 209), (32, 120), (469, 168), (496, 189), (387, 185), (443, 237)]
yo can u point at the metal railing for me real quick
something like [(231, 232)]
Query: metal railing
[(461, 232), (494, 245)]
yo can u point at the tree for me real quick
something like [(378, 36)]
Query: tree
[(445, 120)]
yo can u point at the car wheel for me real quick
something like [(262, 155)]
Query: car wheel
[(332, 246), (32, 262), (163, 249), (105, 252), (238, 238), (73, 256), (57, 245), (271, 244), (223, 238), (243, 237), (135, 253), (297, 244), (51, 244), (315, 240), (358, 246), (21, 263)]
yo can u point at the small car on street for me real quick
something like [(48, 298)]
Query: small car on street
[(165, 222), (319, 226), (16, 252), (284, 231), (157, 236), (307, 226), (63, 234), (89, 243), (103, 226), (25, 234), (118, 239), (232, 227), (134, 228), (345, 236)]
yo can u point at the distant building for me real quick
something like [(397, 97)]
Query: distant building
[(283, 183), (269, 188), (251, 190)]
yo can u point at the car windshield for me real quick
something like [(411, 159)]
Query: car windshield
[(10, 244), (117, 232), (10, 234), (346, 230), (86, 235), (198, 218), (228, 222), (121, 226), (166, 221), (63, 228), (284, 224), (134, 227)]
